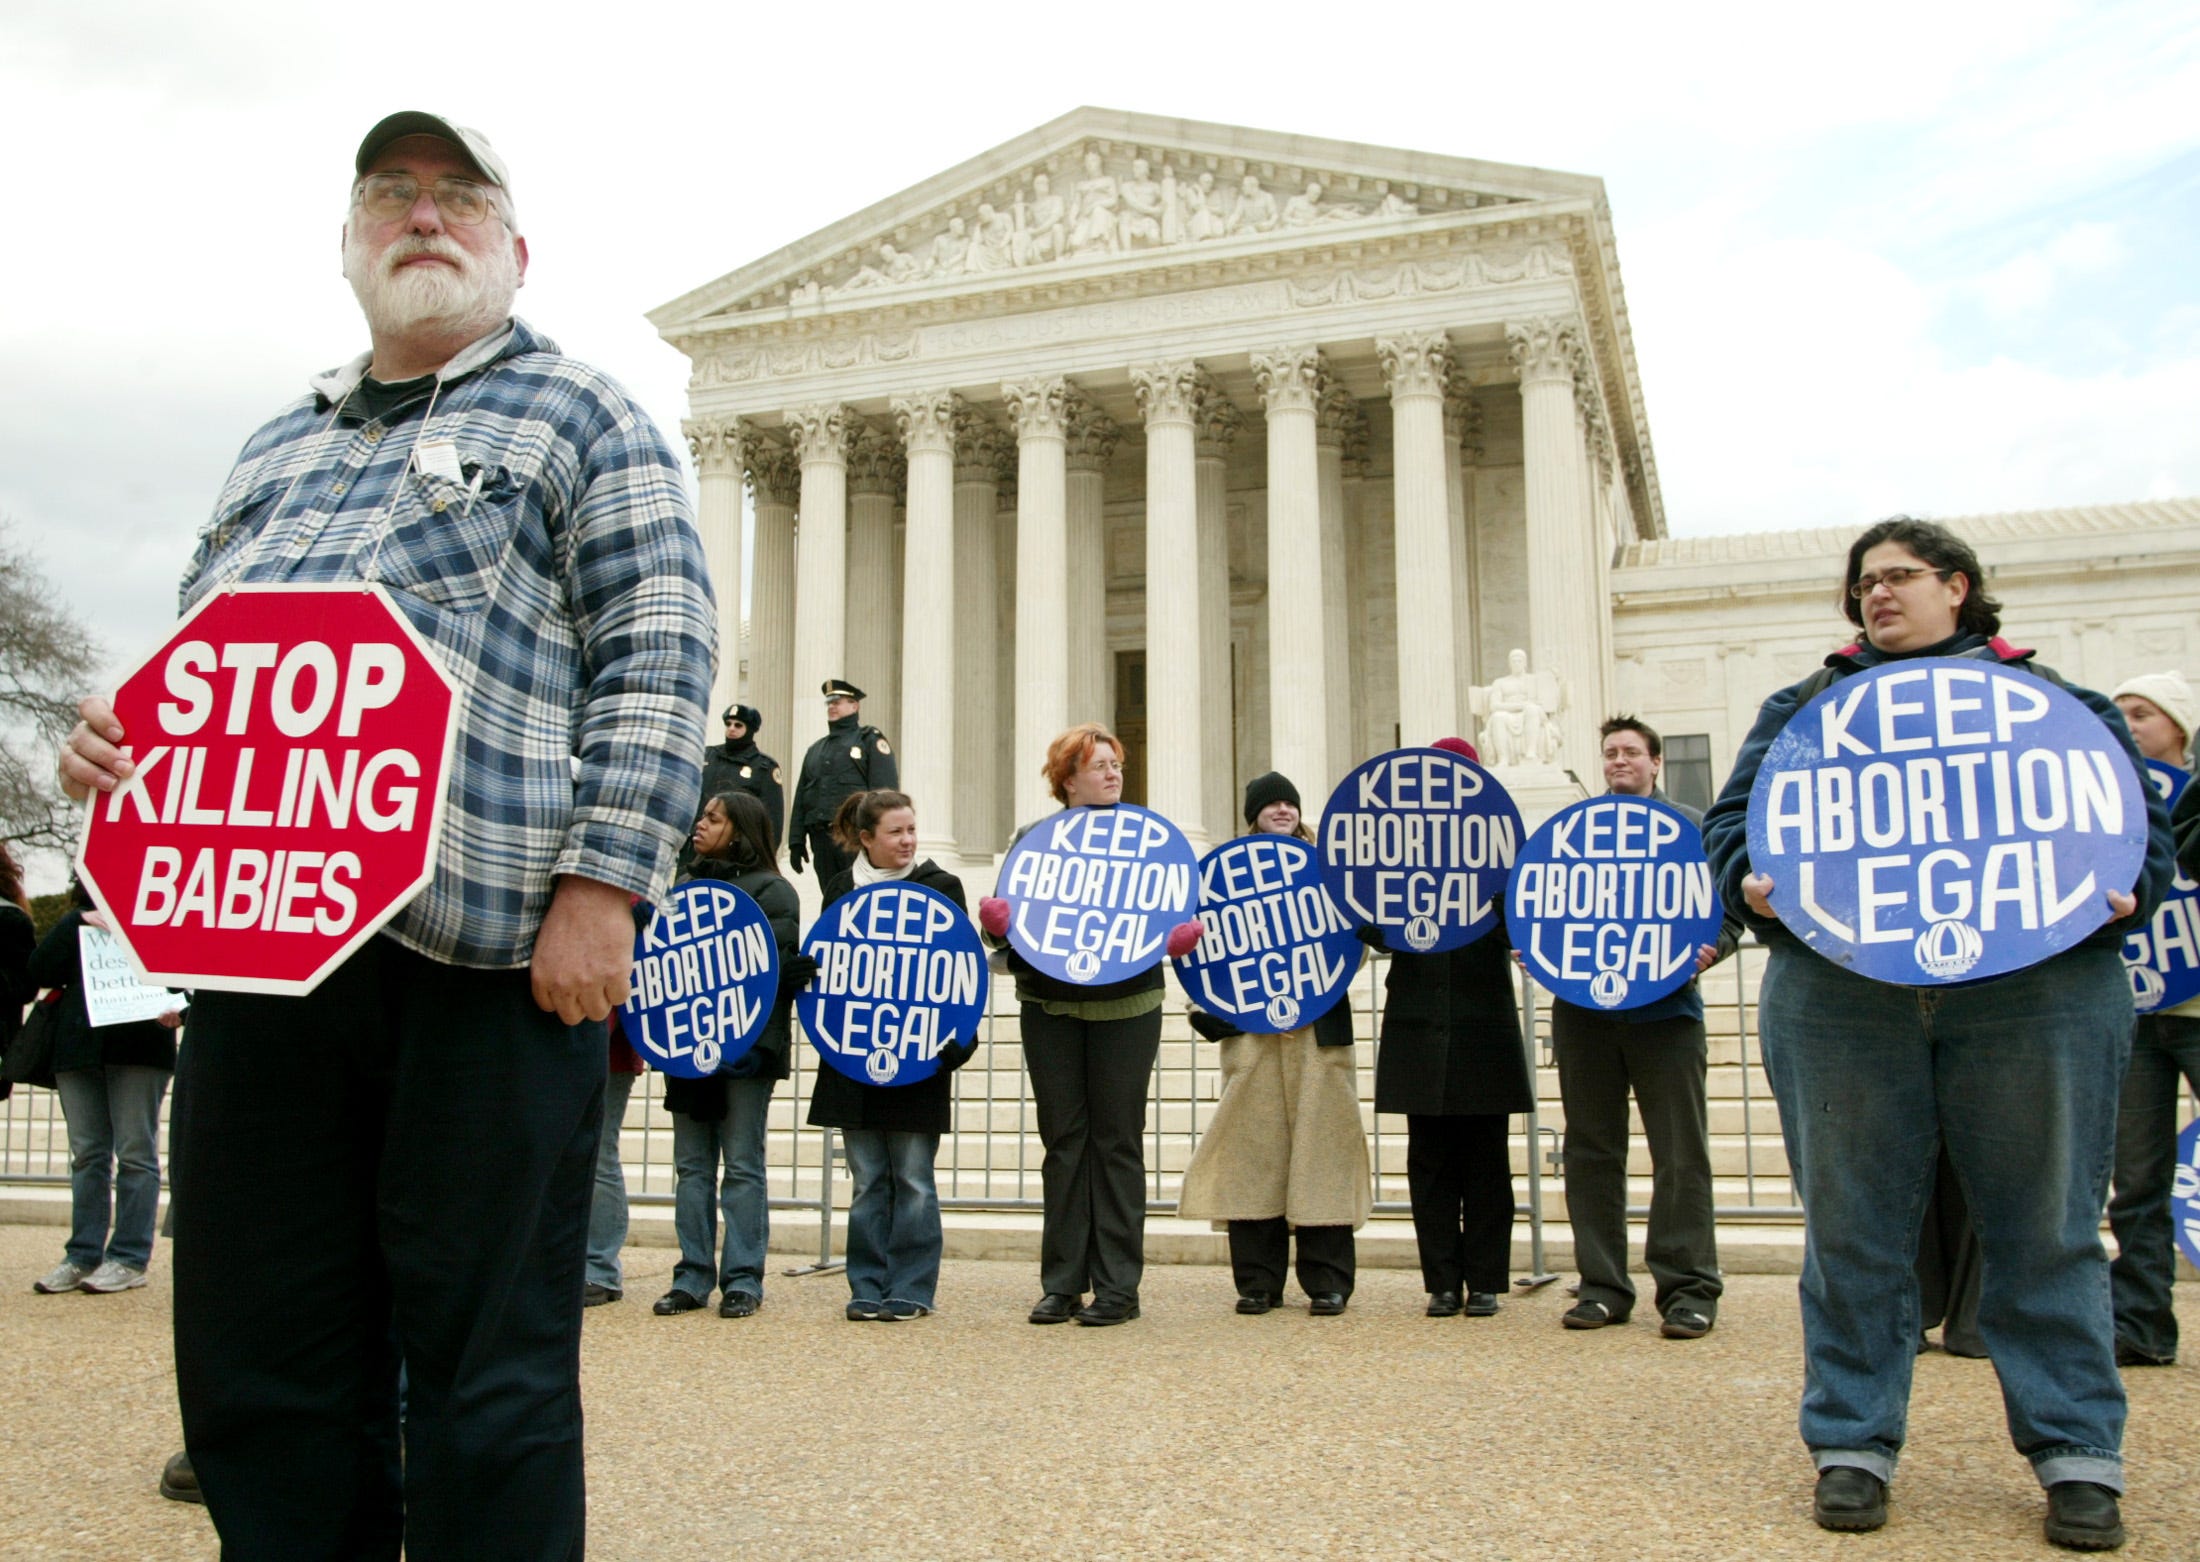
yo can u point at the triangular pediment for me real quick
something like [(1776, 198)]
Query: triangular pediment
[(1102, 191)]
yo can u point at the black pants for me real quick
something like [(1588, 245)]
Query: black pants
[(1259, 1250), (1089, 1080), (412, 1140), (826, 857), (1459, 1176), (1950, 1266), (1600, 1058)]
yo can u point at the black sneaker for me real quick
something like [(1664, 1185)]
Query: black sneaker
[(1849, 1499), (2083, 1516), (1685, 1323), (739, 1304), (864, 1310), (676, 1301), (1588, 1315)]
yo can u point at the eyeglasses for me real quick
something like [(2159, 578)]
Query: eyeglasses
[(1106, 767), (386, 197), (1893, 579)]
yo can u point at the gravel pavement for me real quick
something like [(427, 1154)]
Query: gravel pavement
[(1189, 1433)]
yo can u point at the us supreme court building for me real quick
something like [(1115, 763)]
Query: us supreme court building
[(1271, 453)]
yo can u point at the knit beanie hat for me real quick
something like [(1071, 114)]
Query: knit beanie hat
[(1459, 746), (1274, 787), (2171, 695)]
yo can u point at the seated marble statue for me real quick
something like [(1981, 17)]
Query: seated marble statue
[(1519, 714)]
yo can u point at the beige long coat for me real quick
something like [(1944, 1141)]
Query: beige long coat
[(1286, 1137)]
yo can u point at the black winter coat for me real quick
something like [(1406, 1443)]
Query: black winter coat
[(55, 963), (17, 940), (742, 767), (705, 1099), (1450, 1042), (926, 1107)]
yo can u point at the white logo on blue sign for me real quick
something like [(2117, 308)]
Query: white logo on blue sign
[(1094, 892), (2163, 958), (1277, 953), (900, 973), (1943, 819), (1417, 842), (706, 970), (1610, 901), (2184, 1192)]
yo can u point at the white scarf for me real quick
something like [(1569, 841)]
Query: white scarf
[(867, 874)]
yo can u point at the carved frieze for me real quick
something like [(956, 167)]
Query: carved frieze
[(1409, 279)]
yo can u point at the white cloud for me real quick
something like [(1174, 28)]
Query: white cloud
[(2026, 283)]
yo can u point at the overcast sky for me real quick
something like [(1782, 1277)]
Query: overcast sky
[(1877, 256)]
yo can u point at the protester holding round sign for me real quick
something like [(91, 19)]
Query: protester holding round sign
[(1285, 1152), (2015, 1072), (1089, 903), (1613, 909), (1451, 1060), (894, 1010), (2164, 960), (719, 1112), (1417, 843)]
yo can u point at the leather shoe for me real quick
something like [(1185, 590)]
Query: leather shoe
[(1325, 1304), (1849, 1499), (739, 1305), (1482, 1304), (1588, 1315), (2132, 1356), (178, 1481), (675, 1301), (594, 1295), (1103, 1311), (2083, 1516), (1445, 1304), (1055, 1307), (1685, 1323), (1254, 1303)]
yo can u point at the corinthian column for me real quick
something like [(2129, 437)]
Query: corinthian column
[(875, 468), (775, 484), (1462, 450), (976, 704), (1290, 381), (1040, 408), (1212, 435), (1335, 421), (821, 437), (1428, 672), (715, 443), (928, 619), (1091, 440), (1561, 630), (1176, 696)]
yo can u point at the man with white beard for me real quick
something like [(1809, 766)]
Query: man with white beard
[(416, 1139)]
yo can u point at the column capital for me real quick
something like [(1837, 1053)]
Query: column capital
[(1039, 407), (927, 420), (1544, 348), (1169, 392), (1215, 422), (979, 443), (775, 475), (1290, 378), (823, 431), (1415, 364), (715, 443), (1092, 435), (1462, 414), (876, 464), (1337, 414)]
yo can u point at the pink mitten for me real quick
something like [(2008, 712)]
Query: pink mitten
[(993, 915), (1185, 937)]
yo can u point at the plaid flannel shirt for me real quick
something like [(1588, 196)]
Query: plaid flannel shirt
[(564, 586)]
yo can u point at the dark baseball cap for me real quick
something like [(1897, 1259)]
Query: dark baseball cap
[(415, 122)]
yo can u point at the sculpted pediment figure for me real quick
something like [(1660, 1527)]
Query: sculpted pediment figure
[(1519, 715)]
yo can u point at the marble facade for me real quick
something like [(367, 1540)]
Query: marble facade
[(1267, 449)]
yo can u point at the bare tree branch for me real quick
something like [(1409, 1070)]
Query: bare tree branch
[(48, 660)]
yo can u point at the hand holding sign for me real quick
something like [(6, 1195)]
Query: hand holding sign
[(1417, 843), (1941, 820), (706, 971), (1276, 952), (1094, 893), (900, 977)]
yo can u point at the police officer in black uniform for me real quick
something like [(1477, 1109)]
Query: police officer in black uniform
[(849, 758), (737, 765)]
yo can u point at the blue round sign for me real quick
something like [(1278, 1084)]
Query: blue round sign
[(1093, 892), (2184, 1193), (1277, 954), (706, 970), (1611, 899), (900, 973), (1418, 842), (1945, 820), (2163, 958)]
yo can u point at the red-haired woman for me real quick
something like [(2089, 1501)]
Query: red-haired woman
[(1091, 1052)]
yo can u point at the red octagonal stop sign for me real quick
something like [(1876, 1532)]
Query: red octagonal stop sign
[(292, 745)]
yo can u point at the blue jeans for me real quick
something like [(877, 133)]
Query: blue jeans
[(114, 1149), (2167, 1046), (699, 1197), (2018, 1076), (607, 1210), (894, 1217)]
